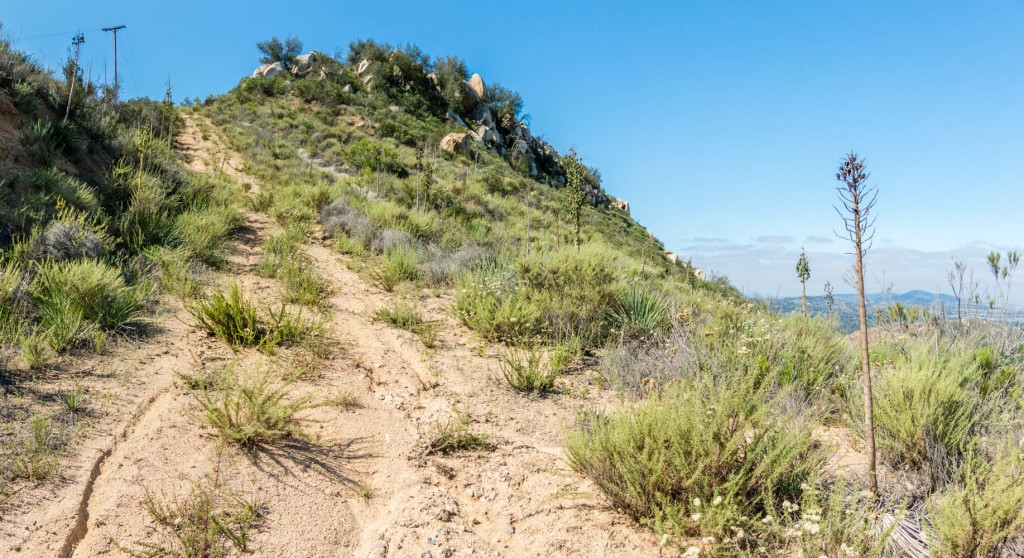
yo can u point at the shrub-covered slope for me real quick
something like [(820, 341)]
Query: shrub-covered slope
[(721, 447)]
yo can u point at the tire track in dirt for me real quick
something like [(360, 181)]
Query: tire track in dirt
[(482, 503)]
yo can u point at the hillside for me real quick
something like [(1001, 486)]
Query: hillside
[(356, 307)]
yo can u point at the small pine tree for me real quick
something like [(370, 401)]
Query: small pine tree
[(803, 271), (276, 51), (574, 185)]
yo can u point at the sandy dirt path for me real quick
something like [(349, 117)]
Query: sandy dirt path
[(518, 498)]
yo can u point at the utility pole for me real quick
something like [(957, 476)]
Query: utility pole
[(114, 29), (77, 41)]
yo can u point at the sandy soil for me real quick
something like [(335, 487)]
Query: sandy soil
[(518, 499)]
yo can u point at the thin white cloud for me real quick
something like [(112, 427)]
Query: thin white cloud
[(775, 239)]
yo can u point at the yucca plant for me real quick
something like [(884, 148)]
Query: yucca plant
[(639, 313), (73, 400), (233, 317), (91, 288), (63, 323)]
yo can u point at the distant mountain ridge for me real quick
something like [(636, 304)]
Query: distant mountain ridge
[(845, 305)]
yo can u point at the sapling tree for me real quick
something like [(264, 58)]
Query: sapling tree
[(803, 271), (959, 282), (829, 298), (276, 51), (1003, 274), (574, 185), (857, 201)]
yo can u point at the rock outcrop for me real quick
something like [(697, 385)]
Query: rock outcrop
[(476, 83), (621, 205), (456, 142), (469, 98), (455, 118), (304, 64), (699, 274), (270, 70)]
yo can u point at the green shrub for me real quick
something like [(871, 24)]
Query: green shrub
[(400, 314), (397, 266), (492, 301), (277, 250), (667, 461), (428, 333), (575, 289), (998, 375), (405, 316), (75, 193), (978, 514), (344, 399), (149, 218), (63, 323), (303, 284), (924, 413), (176, 270), (92, 288), (453, 435), (564, 353), (45, 140), (35, 350), (232, 317), (39, 458), (204, 524), (809, 352), (291, 328), (204, 231), (72, 400), (369, 155), (254, 411), (523, 371)]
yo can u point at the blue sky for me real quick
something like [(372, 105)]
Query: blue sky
[(720, 122)]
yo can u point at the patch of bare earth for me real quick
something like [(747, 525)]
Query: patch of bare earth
[(518, 498)]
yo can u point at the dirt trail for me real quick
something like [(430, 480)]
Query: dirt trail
[(48, 519), (518, 499)]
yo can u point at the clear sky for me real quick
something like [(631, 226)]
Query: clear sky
[(720, 122)]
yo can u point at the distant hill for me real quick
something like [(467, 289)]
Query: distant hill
[(845, 305)]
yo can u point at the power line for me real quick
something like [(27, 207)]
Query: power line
[(131, 67)]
